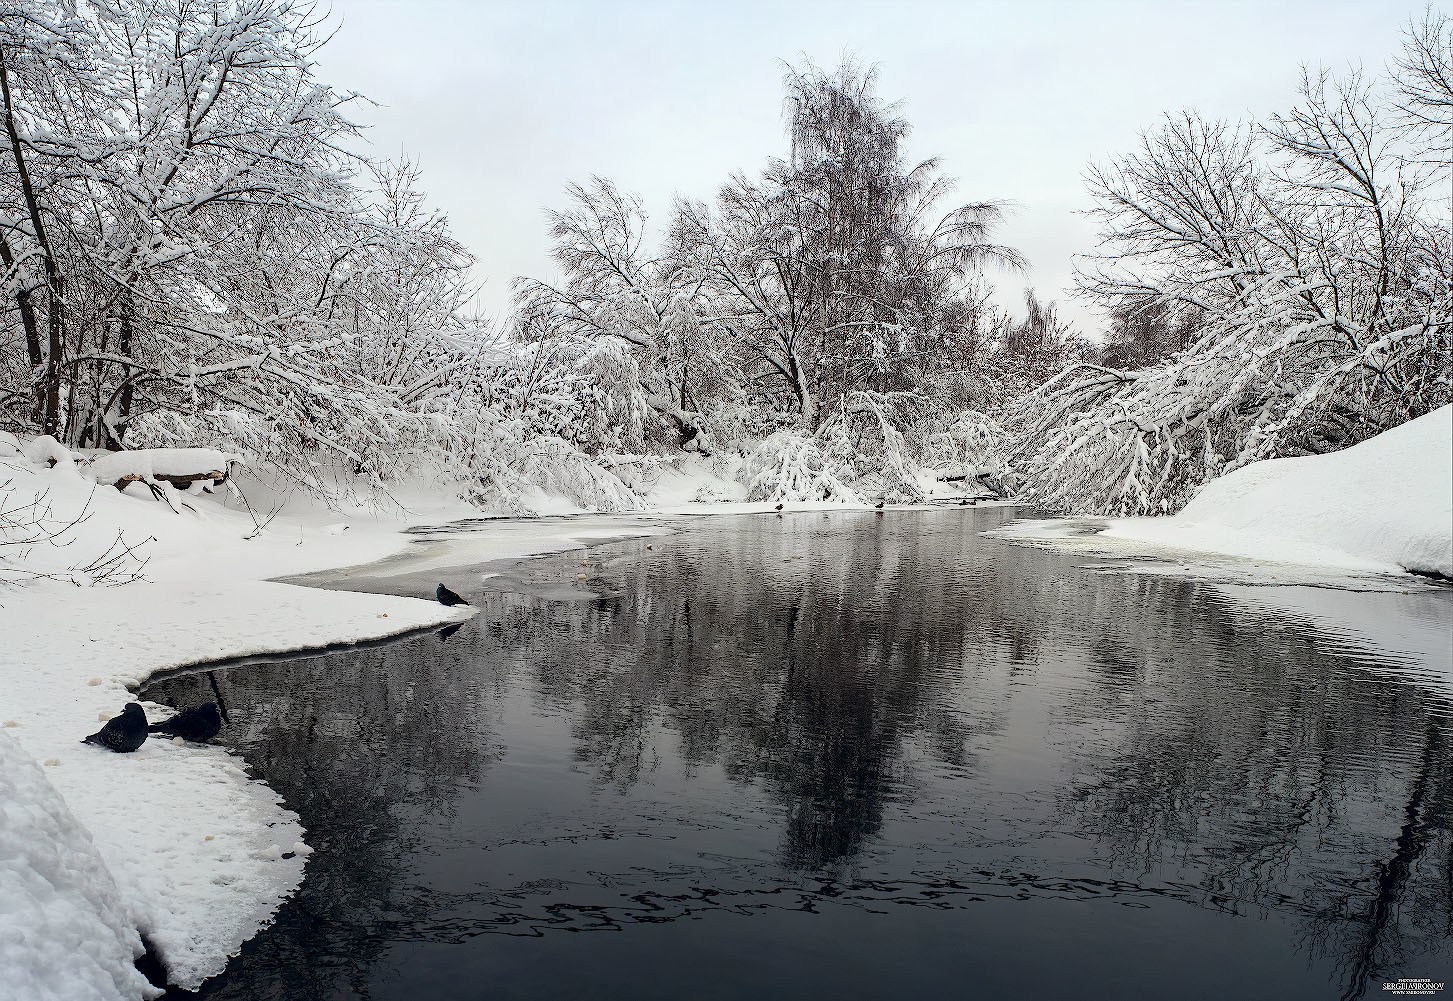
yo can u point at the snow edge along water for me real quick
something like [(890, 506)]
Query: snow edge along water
[(186, 847)]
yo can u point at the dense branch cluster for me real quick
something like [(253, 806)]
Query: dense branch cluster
[(829, 317), (1304, 265)]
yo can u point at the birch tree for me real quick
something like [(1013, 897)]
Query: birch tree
[(837, 268)]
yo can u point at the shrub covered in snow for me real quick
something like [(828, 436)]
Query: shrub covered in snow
[(791, 466)]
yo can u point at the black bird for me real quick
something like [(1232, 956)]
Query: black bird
[(777, 508), (199, 723), (448, 597), (879, 505), (963, 502), (122, 733)]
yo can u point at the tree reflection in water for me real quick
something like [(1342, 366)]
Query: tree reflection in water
[(827, 712)]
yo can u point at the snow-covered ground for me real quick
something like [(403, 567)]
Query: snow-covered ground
[(65, 931), (1384, 506)]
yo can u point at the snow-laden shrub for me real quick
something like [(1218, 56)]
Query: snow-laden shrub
[(790, 466), (960, 443), (866, 439), (609, 410), (1102, 441), (557, 467), (508, 465)]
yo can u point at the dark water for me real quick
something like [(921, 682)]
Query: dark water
[(851, 756)]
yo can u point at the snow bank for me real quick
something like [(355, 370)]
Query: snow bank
[(1385, 505), (64, 931), (194, 844)]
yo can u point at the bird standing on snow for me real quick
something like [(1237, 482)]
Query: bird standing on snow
[(199, 723), (448, 597), (122, 733), (879, 505)]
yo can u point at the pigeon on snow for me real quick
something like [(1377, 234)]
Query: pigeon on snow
[(448, 597), (199, 723), (122, 733)]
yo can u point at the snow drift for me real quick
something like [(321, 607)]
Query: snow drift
[(1383, 505), (64, 931)]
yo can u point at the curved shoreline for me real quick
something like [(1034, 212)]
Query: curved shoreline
[(408, 616), (200, 850)]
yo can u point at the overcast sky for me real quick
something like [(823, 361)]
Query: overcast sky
[(502, 103)]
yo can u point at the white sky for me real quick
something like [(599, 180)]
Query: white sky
[(502, 103)]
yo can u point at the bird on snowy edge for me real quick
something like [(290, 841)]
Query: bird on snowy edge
[(879, 505), (448, 597), (122, 733), (199, 723), (777, 508)]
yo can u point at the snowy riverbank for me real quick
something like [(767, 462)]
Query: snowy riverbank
[(175, 841), (1384, 506)]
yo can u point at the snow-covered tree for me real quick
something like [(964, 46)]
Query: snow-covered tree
[(837, 270), (1314, 270), (191, 255), (626, 313), (827, 318)]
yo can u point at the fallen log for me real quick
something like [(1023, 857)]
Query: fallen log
[(179, 481), (180, 468)]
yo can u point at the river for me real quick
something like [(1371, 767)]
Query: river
[(860, 755)]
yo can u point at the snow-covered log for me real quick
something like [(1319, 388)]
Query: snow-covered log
[(181, 467)]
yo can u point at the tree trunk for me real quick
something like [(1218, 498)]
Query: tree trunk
[(28, 323), (50, 388)]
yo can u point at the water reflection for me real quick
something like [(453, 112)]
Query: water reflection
[(937, 748)]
